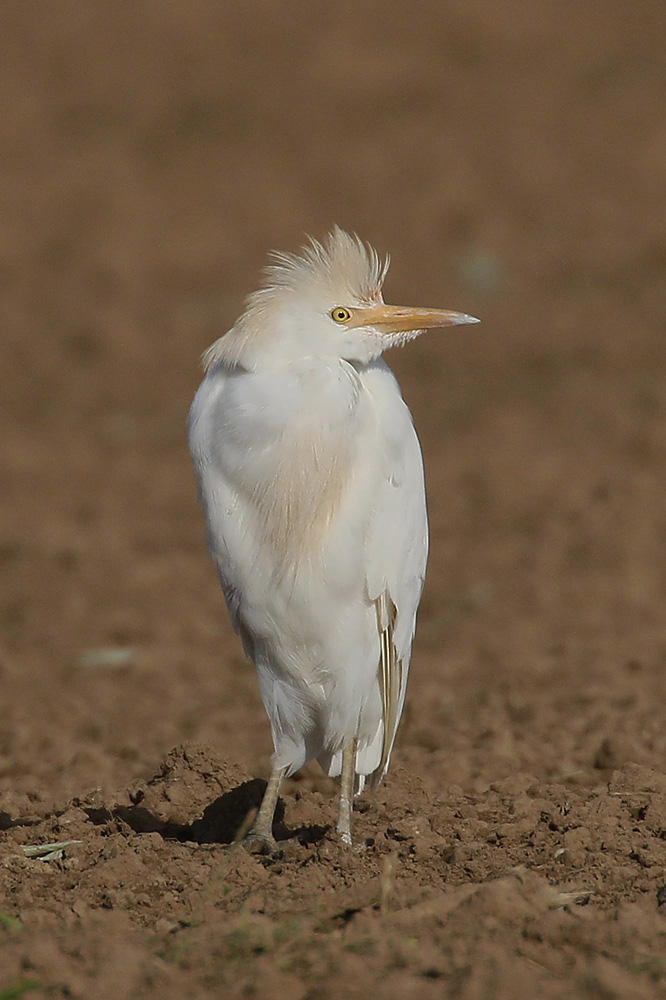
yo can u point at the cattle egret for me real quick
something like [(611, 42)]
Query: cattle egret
[(311, 478)]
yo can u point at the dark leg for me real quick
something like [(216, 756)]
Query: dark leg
[(347, 792), (260, 836)]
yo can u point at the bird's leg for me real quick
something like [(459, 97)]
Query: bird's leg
[(260, 836), (347, 791)]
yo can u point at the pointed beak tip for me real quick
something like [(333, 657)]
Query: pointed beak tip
[(465, 320)]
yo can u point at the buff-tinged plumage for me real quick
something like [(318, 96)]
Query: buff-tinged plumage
[(342, 267), (311, 478)]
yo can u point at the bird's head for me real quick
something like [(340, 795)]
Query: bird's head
[(325, 302)]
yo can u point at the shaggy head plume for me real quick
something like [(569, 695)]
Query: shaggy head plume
[(342, 269)]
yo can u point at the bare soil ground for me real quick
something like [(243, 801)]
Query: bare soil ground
[(512, 157)]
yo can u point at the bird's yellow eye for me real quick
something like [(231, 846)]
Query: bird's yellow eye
[(340, 314)]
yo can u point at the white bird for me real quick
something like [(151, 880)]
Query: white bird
[(311, 478)]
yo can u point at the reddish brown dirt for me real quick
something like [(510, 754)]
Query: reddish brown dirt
[(512, 156)]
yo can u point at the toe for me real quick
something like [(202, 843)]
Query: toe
[(259, 843)]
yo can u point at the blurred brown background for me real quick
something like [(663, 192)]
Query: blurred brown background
[(512, 159)]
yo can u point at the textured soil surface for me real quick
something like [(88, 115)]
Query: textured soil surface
[(512, 157)]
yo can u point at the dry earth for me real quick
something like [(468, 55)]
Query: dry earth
[(512, 156)]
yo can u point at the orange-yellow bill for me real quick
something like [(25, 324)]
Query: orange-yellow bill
[(402, 319)]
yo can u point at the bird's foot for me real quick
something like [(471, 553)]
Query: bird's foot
[(352, 846), (259, 842)]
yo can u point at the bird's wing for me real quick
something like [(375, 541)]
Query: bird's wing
[(391, 681), (216, 493), (396, 553)]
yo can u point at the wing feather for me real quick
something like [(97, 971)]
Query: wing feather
[(396, 555), (391, 683)]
